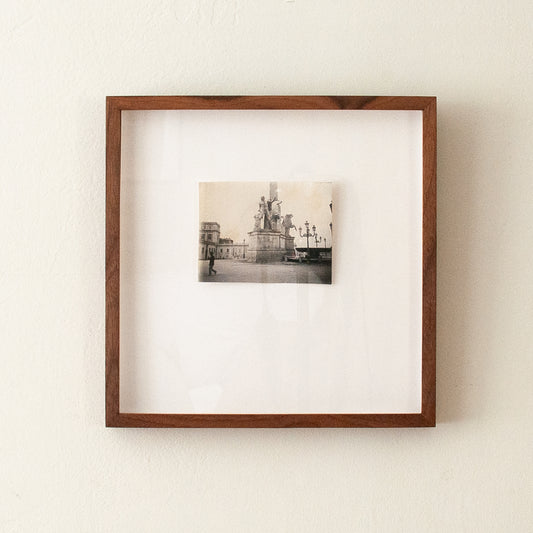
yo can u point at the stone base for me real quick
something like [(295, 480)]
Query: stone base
[(268, 246), (264, 256), (289, 244)]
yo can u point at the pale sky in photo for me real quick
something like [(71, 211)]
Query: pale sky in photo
[(233, 205)]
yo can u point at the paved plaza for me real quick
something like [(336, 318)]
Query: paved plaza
[(282, 272)]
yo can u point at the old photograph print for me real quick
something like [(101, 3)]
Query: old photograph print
[(265, 232)]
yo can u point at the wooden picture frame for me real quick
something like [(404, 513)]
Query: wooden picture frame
[(426, 385)]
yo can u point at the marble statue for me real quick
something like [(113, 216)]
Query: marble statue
[(287, 225), (265, 208), (276, 215), (258, 217)]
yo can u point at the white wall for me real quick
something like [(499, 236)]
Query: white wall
[(62, 470)]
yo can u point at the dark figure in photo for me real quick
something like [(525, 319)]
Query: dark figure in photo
[(212, 264)]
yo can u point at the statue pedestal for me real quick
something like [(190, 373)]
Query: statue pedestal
[(268, 246), (289, 245)]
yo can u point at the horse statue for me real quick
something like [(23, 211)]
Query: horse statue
[(287, 225)]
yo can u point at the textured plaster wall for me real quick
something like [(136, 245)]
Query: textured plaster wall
[(61, 470)]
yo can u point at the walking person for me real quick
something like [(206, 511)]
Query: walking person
[(212, 263)]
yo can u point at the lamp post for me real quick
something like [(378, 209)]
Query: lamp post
[(317, 240), (307, 234)]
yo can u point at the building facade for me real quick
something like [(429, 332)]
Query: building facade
[(222, 248)]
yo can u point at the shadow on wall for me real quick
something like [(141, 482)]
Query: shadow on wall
[(460, 185)]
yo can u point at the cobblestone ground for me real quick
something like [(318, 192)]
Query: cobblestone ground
[(241, 271)]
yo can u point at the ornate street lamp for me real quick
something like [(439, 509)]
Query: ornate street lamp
[(307, 234), (317, 240)]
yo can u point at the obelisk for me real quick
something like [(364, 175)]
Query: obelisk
[(273, 190), (267, 244)]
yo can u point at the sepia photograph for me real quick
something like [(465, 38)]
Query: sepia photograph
[(265, 232)]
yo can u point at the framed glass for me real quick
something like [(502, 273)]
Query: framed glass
[(270, 261)]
